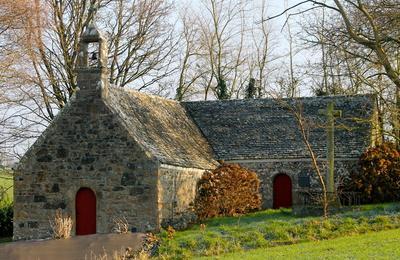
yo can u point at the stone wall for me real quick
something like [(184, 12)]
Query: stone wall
[(176, 193), (85, 146), (268, 169)]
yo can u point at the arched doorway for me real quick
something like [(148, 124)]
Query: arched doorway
[(85, 210), (282, 191)]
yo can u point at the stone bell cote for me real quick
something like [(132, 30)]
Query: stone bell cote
[(92, 72)]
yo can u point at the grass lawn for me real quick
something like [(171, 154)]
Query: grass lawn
[(375, 245), (6, 181), (275, 228)]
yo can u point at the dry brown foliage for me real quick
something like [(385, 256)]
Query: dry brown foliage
[(61, 225), (127, 254), (202, 227), (130, 254), (170, 232), (150, 244), (378, 176), (229, 190), (121, 225)]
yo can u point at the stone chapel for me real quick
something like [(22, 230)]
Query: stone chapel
[(114, 152)]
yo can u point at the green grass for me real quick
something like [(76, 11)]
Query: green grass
[(272, 228), (6, 181), (375, 245)]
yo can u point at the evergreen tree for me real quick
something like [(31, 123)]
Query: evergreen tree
[(222, 90), (251, 89)]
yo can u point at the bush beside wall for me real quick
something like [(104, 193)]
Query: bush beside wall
[(6, 216), (228, 190), (378, 175)]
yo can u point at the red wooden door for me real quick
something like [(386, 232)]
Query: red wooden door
[(282, 191), (85, 209)]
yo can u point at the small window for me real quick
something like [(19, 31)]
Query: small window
[(304, 179)]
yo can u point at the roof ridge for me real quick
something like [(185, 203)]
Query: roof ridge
[(137, 92), (286, 99)]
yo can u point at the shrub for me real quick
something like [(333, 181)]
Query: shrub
[(61, 225), (227, 191), (121, 225), (378, 176), (6, 216)]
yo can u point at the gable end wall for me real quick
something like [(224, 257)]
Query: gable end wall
[(85, 147)]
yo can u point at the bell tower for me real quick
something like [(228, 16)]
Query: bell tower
[(92, 72)]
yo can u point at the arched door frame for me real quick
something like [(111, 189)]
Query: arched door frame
[(92, 191), (282, 173)]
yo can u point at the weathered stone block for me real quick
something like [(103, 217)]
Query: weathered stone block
[(33, 224), (45, 158), (87, 159), (131, 166), (39, 198), (55, 205), (62, 152), (128, 178), (55, 188), (136, 191), (23, 199)]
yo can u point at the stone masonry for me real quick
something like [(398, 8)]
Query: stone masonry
[(295, 169)]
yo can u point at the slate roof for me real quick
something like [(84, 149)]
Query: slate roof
[(162, 127), (267, 128)]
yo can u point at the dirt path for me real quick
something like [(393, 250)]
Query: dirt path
[(91, 247)]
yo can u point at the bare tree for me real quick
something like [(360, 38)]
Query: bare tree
[(261, 54), (15, 24), (189, 73), (303, 125), (229, 48), (293, 82), (141, 41), (222, 32), (367, 31)]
